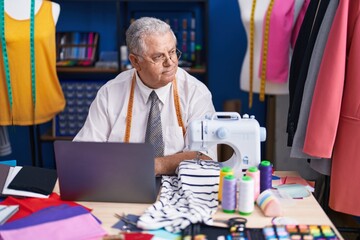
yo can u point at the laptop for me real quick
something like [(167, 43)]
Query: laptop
[(106, 172)]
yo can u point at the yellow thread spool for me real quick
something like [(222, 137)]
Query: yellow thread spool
[(223, 172)]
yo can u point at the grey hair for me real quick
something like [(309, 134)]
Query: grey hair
[(141, 28)]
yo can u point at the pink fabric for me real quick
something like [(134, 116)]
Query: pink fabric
[(281, 23), (80, 227), (345, 172), (298, 22), (326, 103)]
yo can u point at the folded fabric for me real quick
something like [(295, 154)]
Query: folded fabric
[(190, 197), (4, 171), (31, 205), (45, 215), (6, 212), (79, 227), (12, 192), (34, 179)]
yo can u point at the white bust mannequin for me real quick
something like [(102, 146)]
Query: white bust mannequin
[(260, 12), (21, 13)]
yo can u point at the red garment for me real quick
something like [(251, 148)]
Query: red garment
[(31, 205)]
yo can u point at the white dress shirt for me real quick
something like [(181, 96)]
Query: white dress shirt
[(106, 121)]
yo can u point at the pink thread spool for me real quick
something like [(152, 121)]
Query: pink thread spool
[(255, 174)]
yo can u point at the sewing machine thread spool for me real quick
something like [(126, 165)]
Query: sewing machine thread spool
[(265, 168), (246, 195), (255, 174), (228, 203), (223, 172)]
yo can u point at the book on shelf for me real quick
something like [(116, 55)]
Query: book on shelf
[(76, 48)]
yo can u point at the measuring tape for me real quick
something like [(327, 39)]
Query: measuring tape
[(131, 103), (251, 43), (265, 51), (6, 58)]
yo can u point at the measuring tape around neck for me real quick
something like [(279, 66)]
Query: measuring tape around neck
[(6, 58), (131, 103)]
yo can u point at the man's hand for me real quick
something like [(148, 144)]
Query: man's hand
[(167, 165)]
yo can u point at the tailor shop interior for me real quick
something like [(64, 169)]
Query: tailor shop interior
[(284, 86)]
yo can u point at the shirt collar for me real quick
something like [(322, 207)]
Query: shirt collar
[(145, 91)]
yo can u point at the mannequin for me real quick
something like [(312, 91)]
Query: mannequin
[(30, 94), (21, 13), (271, 87), (30, 100)]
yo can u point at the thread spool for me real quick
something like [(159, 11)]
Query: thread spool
[(246, 195), (269, 204), (223, 172), (265, 168), (228, 203), (255, 174), (198, 60)]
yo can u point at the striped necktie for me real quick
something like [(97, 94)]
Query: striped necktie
[(154, 129)]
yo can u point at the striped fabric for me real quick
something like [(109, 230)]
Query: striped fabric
[(189, 197)]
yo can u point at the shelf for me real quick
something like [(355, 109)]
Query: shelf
[(48, 137), (85, 70), (103, 70), (195, 70)]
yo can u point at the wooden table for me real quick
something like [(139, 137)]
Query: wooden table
[(304, 211)]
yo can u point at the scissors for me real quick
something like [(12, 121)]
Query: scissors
[(237, 226), (127, 222)]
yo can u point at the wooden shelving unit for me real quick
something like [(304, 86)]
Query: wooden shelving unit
[(105, 70)]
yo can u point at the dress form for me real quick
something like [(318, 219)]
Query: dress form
[(17, 13), (21, 13), (259, 14)]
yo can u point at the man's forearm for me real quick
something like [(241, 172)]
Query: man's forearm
[(168, 164)]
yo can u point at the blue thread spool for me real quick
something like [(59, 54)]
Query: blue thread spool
[(265, 168), (229, 194)]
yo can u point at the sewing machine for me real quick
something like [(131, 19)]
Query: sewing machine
[(242, 134)]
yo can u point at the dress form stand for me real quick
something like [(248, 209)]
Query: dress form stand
[(12, 9), (253, 14)]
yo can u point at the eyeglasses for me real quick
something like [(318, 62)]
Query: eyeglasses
[(174, 55)]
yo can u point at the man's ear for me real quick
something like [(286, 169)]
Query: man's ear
[(134, 62)]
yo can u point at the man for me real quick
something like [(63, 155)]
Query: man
[(121, 108)]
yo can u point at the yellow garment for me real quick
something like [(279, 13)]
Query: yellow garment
[(49, 96)]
